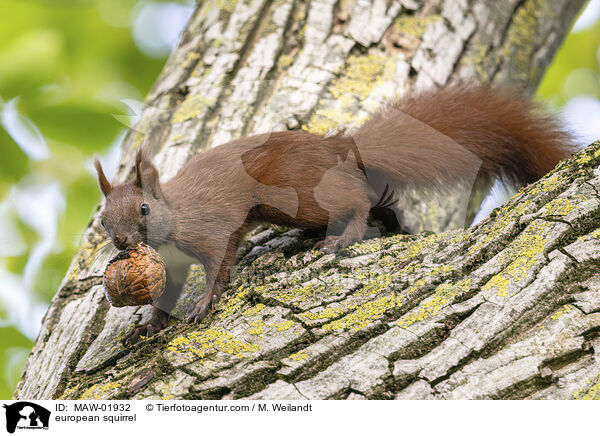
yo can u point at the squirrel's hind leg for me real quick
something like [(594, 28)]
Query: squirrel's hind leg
[(351, 213)]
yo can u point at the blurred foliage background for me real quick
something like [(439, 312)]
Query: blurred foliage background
[(67, 67)]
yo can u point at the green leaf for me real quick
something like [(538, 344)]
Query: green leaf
[(13, 164), (576, 59), (14, 349), (88, 125)]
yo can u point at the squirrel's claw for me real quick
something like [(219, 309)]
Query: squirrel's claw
[(142, 330)]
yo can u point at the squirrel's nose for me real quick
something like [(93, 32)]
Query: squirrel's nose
[(120, 241)]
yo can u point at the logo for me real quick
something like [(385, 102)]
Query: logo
[(26, 415)]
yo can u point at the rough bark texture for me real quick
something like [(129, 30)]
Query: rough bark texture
[(508, 309)]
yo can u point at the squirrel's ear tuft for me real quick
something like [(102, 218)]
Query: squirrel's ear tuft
[(103, 182), (146, 175)]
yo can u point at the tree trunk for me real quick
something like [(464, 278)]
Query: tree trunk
[(507, 309)]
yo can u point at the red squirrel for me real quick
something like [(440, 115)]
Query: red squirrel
[(428, 141)]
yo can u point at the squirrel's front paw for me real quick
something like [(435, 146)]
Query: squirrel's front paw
[(144, 330), (202, 307), (139, 331)]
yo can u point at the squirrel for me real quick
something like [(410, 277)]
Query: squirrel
[(428, 141)]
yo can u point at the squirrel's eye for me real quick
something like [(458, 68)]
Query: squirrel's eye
[(102, 223), (145, 209)]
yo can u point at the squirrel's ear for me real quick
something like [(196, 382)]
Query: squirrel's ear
[(146, 175), (103, 182), (138, 164)]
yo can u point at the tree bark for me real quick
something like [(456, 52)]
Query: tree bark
[(507, 309)]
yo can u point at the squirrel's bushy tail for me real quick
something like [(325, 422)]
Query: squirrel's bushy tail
[(436, 138)]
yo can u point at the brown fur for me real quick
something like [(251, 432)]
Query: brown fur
[(428, 142)]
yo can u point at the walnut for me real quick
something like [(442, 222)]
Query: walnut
[(135, 277)]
